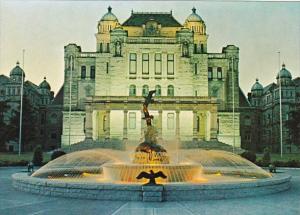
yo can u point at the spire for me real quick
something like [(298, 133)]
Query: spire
[(18, 63), (256, 79), (45, 78), (194, 10), (283, 66), (109, 9)]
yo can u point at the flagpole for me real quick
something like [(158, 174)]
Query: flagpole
[(280, 105), (21, 103), (233, 110)]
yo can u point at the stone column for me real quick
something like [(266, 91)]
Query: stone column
[(88, 122), (107, 125), (177, 125), (159, 126), (207, 126), (125, 127), (213, 125), (195, 131)]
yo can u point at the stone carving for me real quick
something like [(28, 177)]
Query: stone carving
[(118, 49), (151, 176), (185, 49)]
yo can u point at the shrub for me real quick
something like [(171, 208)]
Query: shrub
[(251, 156), (57, 154), (266, 157), (37, 156)]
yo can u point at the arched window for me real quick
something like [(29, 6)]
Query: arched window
[(132, 90), (83, 72), (145, 90), (170, 90), (157, 90)]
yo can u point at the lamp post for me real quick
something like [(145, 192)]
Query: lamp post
[(233, 110), (21, 105), (280, 105), (70, 99)]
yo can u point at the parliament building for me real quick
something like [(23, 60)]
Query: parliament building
[(196, 91)]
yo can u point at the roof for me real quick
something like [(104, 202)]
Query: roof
[(243, 99), (297, 81), (284, 73), (4, 79), (194, 17), (257, 86), (59, 98), (140, 18), (269, 87), (109, 16)]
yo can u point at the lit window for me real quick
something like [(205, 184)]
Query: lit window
[(170, 122), (157, 90), (145, 90), (132, 90), (170, 65), (210, 75), (145, 64), (132, 120), (83, 72), (219, 73), (132, 63), (92, 72), (157, 64), (170, 90)]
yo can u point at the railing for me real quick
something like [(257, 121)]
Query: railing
[(151, 40), (216, 55)]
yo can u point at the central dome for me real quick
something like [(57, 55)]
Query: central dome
[(17, 71), (284, 73), (257, 86)]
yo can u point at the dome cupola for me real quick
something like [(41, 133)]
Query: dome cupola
[(284, 76), (109, 16), (16, 73), (194, 17), (257, 89)]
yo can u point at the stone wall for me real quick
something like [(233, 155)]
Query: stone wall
[(134, 192)]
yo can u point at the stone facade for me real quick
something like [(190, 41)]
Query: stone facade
[(195, 90), (262, 118)]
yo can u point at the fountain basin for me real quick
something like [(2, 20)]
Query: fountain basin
[(134, 192), (174, 172)]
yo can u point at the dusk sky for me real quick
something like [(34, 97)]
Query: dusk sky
[(43, 28)]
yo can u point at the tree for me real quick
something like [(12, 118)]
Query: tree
[(294, 126), (37, 156), (29, 124), (6, 128)]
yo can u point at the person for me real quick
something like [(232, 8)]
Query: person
[(185, 49), (118, 48), (30, 167)]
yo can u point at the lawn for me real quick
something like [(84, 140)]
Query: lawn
[(285, 157), (9, 158)]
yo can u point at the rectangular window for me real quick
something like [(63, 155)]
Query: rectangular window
[(210, 73), (170, 121), (158, 64), (219, 73), (202, 48), (196, 69), (195, 48), (92, 72), (107, 67), (132, 63), (132, 120), (145, 64), (107, 47), (83, 72), (170, 64), (101, 48)]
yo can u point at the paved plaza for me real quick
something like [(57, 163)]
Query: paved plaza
[(14, 202)]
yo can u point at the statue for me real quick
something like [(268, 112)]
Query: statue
[(151, 176), (185, 49), (149, 151), (118, 48)]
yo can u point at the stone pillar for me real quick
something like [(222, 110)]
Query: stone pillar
[(159, 126), (107, 125), (207, 126), (177, 125), (202, 124), (213, 125), (195, 131), (88, 122), (142, 126), (125, 127)]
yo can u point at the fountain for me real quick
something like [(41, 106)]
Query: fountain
[(112, 175)]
